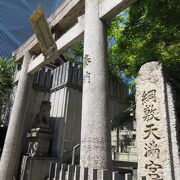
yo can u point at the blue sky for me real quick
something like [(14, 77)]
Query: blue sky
[(15, 27)]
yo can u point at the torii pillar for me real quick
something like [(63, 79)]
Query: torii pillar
[(95, 128), (14, 138)]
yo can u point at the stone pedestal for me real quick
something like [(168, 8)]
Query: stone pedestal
[(157, 146), (95, 129), (39, 139), (35, 168)]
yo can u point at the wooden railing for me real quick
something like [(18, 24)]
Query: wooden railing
[(72, 74), (68, 72), (59, 171), (43, 79)]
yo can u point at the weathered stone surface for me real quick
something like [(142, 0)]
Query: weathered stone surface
[(34, 168), (173, 123), (95, 130), (14, 138), (156, 133), (39, 139)]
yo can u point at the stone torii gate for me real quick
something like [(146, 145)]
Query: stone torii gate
[(73, 21)]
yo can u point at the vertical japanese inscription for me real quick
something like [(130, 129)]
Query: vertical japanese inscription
[(87, 60), (87, 77), (87, 74), (156, 137), (152, 150), (151, 135), (154, 169)]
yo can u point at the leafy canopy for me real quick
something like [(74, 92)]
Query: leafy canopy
[(149, 30), (6, 78)]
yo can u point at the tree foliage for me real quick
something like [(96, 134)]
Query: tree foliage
[(149, 30), (6, 78), (75, 53)]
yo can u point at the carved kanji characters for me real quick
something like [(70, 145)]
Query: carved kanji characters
[(87, 76), (149, 95), (87, 60), (151, 130), (152, 150), (155, 176), (153, 167), (149, 112), (153, 170)]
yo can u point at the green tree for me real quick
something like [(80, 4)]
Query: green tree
[(6, 78), (149, 31), (75, 53)]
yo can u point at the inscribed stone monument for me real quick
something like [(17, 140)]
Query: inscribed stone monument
[(158, 157)]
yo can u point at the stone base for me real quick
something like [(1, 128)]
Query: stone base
[(35, 168), (39, 139)]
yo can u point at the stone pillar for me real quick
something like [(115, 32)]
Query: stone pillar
[(156, 126), (13, 143), (95, 129)]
